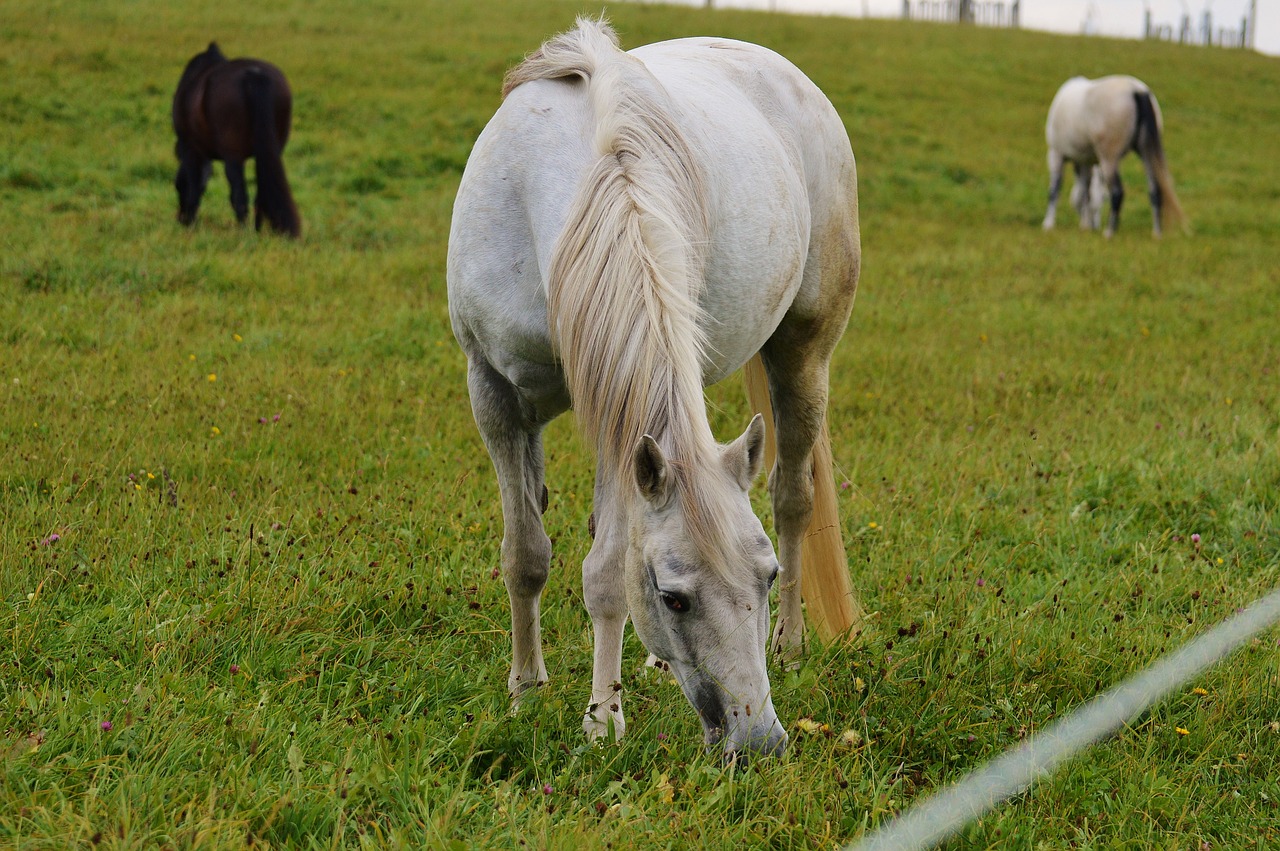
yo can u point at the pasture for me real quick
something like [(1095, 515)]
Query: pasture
[(249, 535)]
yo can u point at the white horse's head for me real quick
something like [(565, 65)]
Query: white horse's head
[(704, 609)]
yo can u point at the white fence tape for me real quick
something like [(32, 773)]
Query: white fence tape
[(935, 819)]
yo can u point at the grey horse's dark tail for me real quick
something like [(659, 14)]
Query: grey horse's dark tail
[(1148, 144)]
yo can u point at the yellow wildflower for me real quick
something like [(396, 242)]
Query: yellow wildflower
[(237, 337), (213, 376), (1182, 731), (666, 792), (1199, 691)]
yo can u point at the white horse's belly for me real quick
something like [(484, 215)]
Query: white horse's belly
[(758, 202)]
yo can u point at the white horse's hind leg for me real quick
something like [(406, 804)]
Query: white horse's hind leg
[(606, 597), (799, 392), (514, 442), (1056, 162)]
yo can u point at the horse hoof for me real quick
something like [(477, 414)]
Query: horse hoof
[(603, 724), (519, 690), (654, 665)]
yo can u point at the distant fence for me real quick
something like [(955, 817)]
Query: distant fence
[(1206, 33), (991, 13)]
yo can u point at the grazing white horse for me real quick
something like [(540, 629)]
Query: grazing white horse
[(629, 228), (1094, 123)]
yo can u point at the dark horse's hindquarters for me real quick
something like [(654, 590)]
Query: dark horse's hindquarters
[(232, 110)]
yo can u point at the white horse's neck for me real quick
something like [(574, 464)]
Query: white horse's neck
[(626, 276)]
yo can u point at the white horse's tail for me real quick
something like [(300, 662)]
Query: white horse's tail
[(1150, 147), (830, 604)]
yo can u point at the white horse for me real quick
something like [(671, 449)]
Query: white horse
[(1094, 123), (629, 228)]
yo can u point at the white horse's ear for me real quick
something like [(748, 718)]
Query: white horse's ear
[(744, 457), (651, 472)]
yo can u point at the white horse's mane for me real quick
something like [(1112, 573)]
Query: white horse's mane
[(626, 275)]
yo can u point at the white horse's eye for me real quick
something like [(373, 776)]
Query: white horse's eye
[(773, 577), (674, 602)]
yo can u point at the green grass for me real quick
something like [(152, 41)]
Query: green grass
[(259, 454)]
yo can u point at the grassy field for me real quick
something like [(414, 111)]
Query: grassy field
[(248, 534)]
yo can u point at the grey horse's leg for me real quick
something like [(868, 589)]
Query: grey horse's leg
[(1111, 174), (605, 595), (239, 193), (1156, 196), (513, 437), (1082, 196), (1056, 162)]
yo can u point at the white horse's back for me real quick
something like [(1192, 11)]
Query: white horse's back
[(762, 134)]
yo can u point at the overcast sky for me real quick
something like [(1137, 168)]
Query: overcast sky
[(1122, 18)]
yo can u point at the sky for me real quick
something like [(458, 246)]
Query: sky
[(1120, 18)]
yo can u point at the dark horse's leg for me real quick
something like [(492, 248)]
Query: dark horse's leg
[(193, 177), (239, 194)]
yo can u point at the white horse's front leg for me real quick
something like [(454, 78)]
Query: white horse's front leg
[(604, 589), (515, 446)]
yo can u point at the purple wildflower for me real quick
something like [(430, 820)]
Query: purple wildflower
[(106, 726)]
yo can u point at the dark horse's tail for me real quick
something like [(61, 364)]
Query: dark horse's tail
[(274, 202), (1147, 143)]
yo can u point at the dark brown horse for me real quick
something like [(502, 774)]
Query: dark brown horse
[(231, 110)]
